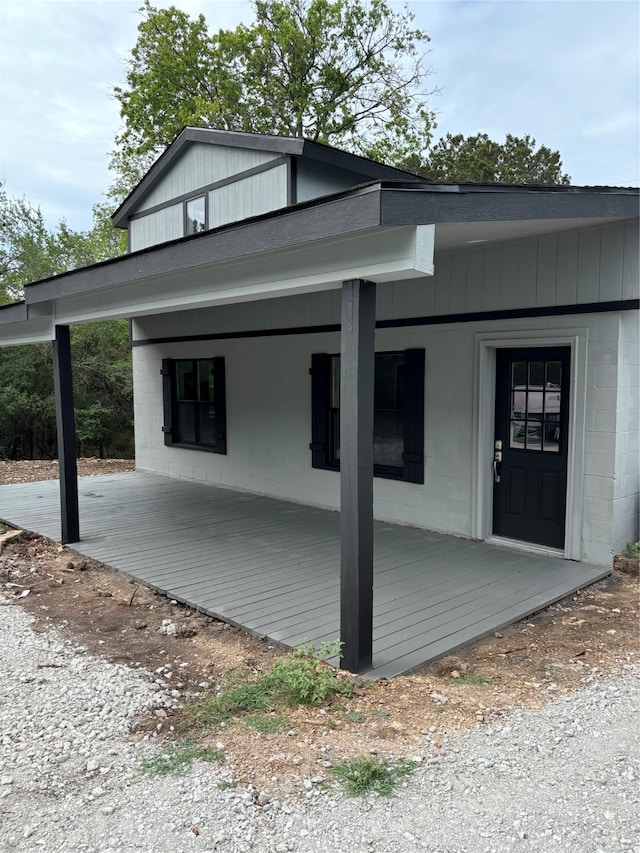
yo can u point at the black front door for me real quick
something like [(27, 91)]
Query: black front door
[(530, 446)]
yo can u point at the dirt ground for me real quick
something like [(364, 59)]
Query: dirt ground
[(561, 649)]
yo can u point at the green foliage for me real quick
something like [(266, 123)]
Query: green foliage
[(301, 679), (369, 775), (177, 758), (298, 678), (29, 251), (101, 358), (265, 724), (27, 410), (350, 73), (480, 159), (242, 698), (632, 551), (354, 717), (476, 679), (380, 714)]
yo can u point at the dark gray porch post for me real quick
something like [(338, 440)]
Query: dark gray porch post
[(63, 386), (357, 363)]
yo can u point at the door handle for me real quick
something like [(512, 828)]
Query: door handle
[(496, 475)]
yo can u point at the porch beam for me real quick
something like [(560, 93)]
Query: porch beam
[(67, 447), (357, 361)]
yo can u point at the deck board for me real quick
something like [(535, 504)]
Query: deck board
[(272, 567)]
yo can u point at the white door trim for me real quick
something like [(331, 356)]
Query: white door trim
[(485, 346)]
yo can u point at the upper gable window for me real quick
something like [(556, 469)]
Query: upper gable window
[(195, 215)]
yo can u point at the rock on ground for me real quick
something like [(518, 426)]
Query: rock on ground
[(561, 779)]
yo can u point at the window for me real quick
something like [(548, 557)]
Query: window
[(534, 422), (194, 403), (398, 431), (195, 215)]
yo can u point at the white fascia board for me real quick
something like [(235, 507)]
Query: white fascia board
[(378, 254), (31, 331)]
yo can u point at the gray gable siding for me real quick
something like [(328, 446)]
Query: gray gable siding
[(201, 165), (314, 180), (250, 196), (158, 227)]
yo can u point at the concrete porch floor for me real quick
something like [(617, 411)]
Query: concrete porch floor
[(272, 567)]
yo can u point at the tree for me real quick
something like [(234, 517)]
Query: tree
[(23, 236), (480, 159), (29, 251), (347, 73)]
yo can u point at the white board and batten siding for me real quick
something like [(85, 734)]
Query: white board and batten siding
[(268, 383), (157, 227), (201, 165), (248, 197), (198, 167)]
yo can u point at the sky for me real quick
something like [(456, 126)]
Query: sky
[(565, 72)]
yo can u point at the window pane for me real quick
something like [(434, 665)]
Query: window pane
[(388, 438), (517, 434), (388, 428), (519, 374), (554, 373), (552, 405), (186, 422), (518, 403), (205, 380), (206, 424), (536, 373), (552, 437), (334, 438), (387, 386), (185, 380), (335, 382), (534, 404), (195, 215), (534, 436)]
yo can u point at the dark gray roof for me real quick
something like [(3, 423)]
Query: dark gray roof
[(387, 203), (365, 169)]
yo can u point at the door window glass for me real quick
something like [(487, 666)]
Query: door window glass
[(535, 405)]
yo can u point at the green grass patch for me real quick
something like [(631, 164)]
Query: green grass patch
[(379, 714), (476, 679), (264, 724), (632, 551), (241, 698), (369, 775), (177, 758), (298, 678), (354, 716)]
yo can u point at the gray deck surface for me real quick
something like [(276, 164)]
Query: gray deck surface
[(272, 567)]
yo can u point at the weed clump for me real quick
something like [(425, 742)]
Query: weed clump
[(367, 774), (299, 678), (177, 758)]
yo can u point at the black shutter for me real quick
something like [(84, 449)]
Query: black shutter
[(413, 455), (320, 391), (220, 400), (167, 406)]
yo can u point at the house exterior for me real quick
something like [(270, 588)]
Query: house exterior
[(287, 300)]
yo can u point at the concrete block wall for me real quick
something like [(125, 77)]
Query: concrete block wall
[(627, 458), (612, 456), (269, 392)]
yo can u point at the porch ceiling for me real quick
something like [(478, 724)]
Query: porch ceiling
[(273, 567)]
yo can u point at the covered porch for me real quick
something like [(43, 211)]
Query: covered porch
[(273, 567)]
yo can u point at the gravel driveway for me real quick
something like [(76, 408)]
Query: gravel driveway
[(561, 779)]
